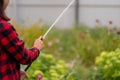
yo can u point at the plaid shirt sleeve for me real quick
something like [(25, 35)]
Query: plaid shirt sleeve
[(15, 47)]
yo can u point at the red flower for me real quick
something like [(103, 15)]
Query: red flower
[(110, 22)]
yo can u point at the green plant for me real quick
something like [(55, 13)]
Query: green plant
[(66, 44), (49, 68), (108, 65)]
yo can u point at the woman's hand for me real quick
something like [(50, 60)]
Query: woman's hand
[(39, 43), (23, 75)]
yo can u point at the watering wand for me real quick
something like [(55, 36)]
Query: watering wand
[(58, 18)]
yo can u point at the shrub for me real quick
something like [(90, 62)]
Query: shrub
[(49, 68), (108, 66)]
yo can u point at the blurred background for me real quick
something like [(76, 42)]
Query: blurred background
[(83, 45), (48, 10)]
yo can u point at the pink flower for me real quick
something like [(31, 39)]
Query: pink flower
[(49, 44), (57, 40), (39, 77), (110, 22)]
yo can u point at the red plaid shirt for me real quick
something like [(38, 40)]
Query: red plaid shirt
[(13, 52)]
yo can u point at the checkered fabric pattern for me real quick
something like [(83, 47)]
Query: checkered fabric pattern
[(13, 52)]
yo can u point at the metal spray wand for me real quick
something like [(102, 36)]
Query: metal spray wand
[(58, 18)]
